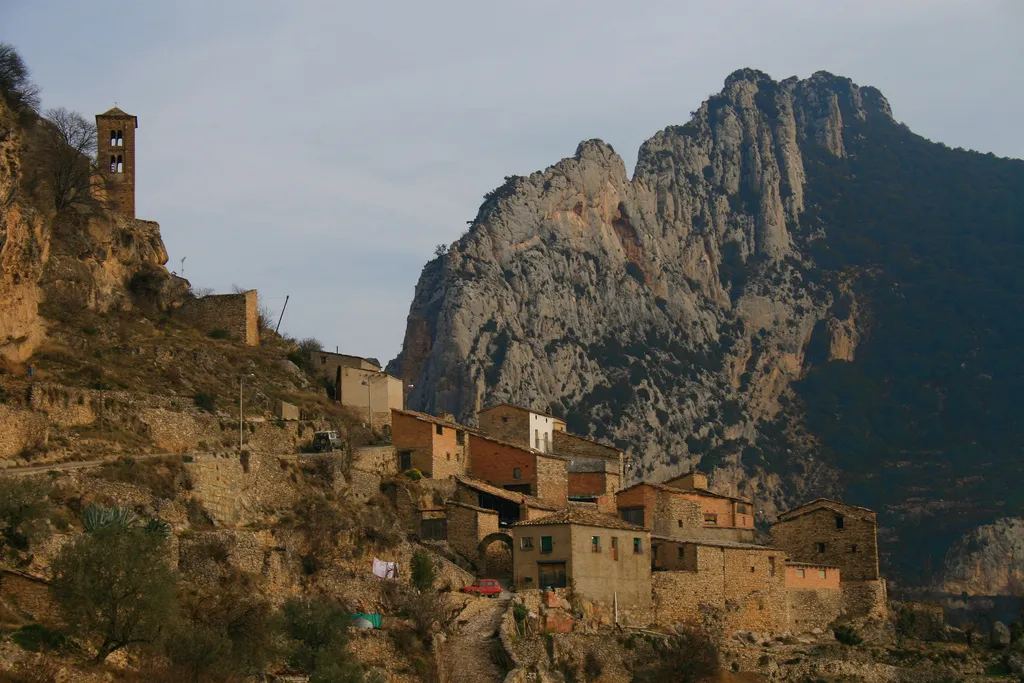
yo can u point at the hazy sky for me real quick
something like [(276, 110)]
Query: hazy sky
[(323, 149)]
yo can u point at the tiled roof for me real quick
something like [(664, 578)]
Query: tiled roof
[(820, 503), (432, 419), (526, 449), (593, 441), (115, 111), (514, 496), (522, 408), (673, 489), (811, 564), (583, 517), (715, 543)]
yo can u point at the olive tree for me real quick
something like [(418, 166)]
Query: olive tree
[(115, 585)]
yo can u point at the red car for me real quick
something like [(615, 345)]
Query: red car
[(488, 588)]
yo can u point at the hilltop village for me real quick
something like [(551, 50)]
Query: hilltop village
[(319, 476)]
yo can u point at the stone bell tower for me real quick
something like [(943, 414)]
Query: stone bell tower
[(115, 157)]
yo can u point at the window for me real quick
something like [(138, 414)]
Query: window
[(527, 579), (615, 547), (800, 573), (526, 543), (822, 573), (595, 544), (448, 457), (744, 508), (638, 546), (405, 460), (113, 138), (853, 548), (545, 544), (771, 566), (752, 570), (323, 360), (120, 139), (632, 515), (113, 164), (682, 551), (460, 437), (504, 418), (536, 439), (120, 164), (546, 445), (517, 473), (840, 521), (710, 519), (821, 547), (439, 429)]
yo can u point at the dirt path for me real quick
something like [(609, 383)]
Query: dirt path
[(466, 656)]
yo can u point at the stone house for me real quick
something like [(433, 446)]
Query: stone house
[(604, 558), (743, 583), (828, 533), (687, 513), (326, 364), (580, 449), (593, 481), (520, 426), (511, 506), (437, 447), (813, 595), (519, 468), (371, 394), (831, 533)]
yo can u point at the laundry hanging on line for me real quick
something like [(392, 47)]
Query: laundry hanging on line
[(385, 570)]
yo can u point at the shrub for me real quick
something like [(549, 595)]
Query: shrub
[(414, 474), (205, 401), (423, 572), (116, 586), (847, 635), (688, 656), (218, 333), (37, 638), (318, 635), (23, 507)]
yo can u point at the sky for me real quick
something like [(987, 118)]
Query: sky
[(322, 150)]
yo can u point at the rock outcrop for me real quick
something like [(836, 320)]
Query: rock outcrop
[(987, 561), (668, 312), (80, 258)]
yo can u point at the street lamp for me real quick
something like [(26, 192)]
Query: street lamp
[(369, 404), (241, 415)]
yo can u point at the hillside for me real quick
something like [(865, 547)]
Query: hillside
[(793, 290)]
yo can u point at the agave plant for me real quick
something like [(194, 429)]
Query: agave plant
[(157, 526), (95, 518)]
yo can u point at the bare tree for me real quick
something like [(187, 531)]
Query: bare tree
[(68, 150), (16, 86)]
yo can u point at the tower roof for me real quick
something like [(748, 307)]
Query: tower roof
[(118, 113)]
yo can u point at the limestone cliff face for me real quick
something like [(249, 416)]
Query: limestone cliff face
[(72, 260), (987, 561), (668, 311)]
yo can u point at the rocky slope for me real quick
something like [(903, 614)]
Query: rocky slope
[(728, 305)]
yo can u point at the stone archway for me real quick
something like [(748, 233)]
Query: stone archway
[(494, 556)]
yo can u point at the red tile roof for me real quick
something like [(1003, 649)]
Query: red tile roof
[(583, 517)]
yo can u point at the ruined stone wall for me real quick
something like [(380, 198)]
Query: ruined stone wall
[(816, 537), (234, 313), (20, 429), (811, 608), (552, 480), (467, 526), (578, 447), (381, 460), (746, 587), (29, 595), (237, 490), (65, 406), (865, 600)]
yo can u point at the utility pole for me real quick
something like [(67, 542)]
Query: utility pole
[(369, 404), (241, 415), (282, 313)]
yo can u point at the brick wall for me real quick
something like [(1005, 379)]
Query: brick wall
[(508, 424), (853, 548), (496, 462), (234, 313), (552, 480)]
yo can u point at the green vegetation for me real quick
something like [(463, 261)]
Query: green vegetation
[(218, 333), (847, 635), (317, 633), (39, 638), (423, 571), (24, 507), (115, 585)]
